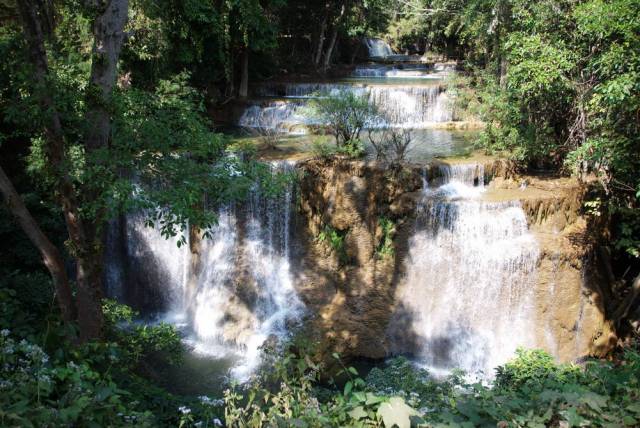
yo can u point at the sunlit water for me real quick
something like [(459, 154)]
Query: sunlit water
[(241, 292), (467, 297)]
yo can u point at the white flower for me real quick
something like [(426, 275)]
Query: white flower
[(184, 410), (4, 333), (217, 422)]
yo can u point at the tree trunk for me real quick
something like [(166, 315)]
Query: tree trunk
[(355, 53), (50, 254), (321, 37), (108, 37), (110, 19), (503, 71), (332, 42), (244, 74)]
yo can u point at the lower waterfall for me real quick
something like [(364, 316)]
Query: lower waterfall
[(468, 292), (230, 297)]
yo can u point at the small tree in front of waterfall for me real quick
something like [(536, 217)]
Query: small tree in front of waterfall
[(346, 114), (391, 145)]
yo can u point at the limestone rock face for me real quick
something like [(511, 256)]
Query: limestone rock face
[(569, 307), (349, 288)]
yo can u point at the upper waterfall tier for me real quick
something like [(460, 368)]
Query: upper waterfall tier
[(403, 71), (377, 48), (399, 105)]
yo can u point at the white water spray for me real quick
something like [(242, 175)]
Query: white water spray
[(468, 291)]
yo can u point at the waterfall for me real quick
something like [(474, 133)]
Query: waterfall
[(401, 71), (444, 67), (236, 292), (280, 116), (377, 48), (468, 291), (402, 106)]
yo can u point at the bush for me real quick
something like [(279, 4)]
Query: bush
[(38, 392), (322, 148), (391, 145), (385, 247), (352, 149), (335, 239), (345, 113), (533, 366)]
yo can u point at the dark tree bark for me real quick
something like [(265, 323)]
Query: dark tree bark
[(50, 254), (108, 37), (334, 37), (243, 90), (321, 36), (110, 19)]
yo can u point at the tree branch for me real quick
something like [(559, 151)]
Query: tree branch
[(50, 255)]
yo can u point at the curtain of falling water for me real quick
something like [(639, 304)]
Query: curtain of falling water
[(241, 292), (471, 267), (401, 106)]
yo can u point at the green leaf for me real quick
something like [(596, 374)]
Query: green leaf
[(347, 388), (593, 400), (373, 399), (634, 407), (396, 412), (358, 413), (360, 396)]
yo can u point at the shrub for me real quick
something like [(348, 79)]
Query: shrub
[(344, 112), (34, 391), (335, 239), (352, 149), (322, 148), (385, 247)]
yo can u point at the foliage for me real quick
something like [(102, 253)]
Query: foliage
[(286, 395), (141, 343), (38, 393), (532, 366), (352, 148), (322, 148), (335, 239), (557, 84), (529, 391), (387, 229), (345, 113)]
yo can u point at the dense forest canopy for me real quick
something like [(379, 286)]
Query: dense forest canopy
[(106, 108)]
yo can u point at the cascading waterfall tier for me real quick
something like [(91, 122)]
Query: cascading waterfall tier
[(403, 71), (401, 106), (468, 292), (377, 48), (235, 291)]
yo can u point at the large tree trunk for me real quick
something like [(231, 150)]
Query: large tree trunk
[(243, 90), (321, 37), (50, 254), (108, 37), (334, 37), (85, 235)]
